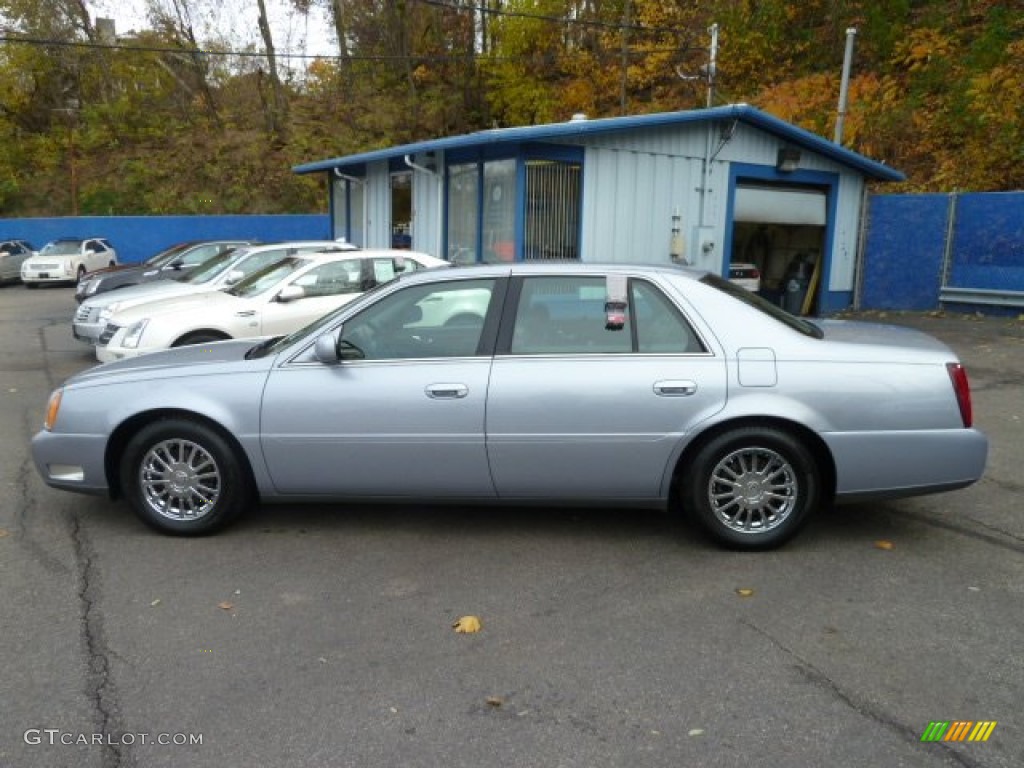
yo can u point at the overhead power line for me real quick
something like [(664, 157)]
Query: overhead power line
[(45, 42)]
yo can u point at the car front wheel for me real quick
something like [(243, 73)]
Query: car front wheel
[(752, 487), (183, 478)]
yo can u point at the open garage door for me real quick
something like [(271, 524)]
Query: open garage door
[(781, 229)]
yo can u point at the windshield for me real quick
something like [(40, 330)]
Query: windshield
[(210, 268), (763, 305), (165, 255), (267, 278), (61, 248)]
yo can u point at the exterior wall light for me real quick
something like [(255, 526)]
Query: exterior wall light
[(788, 160)]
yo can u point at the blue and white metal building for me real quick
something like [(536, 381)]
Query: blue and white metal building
[(705, 187)]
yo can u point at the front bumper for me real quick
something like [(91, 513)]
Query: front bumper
[(71, 462), (108, 353), (47, 277)]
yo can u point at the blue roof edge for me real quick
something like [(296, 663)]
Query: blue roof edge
[(743, 112)]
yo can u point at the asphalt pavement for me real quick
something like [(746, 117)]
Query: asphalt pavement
[(322, 635)]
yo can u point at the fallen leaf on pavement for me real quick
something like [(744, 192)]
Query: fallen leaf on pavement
[(467, 624), (225, 605), (884, 544), (744, 592)]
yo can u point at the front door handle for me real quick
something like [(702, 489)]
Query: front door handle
[(675, 388), (446, 391)]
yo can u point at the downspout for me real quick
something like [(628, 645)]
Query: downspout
[(439, 233)]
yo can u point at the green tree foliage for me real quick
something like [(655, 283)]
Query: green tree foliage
[(166, 122)]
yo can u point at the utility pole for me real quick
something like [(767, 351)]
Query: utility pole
[(623, 86), (712, 64), (844, 86)]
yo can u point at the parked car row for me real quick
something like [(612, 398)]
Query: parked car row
[(170, 262), (206, 291), (276, 300)]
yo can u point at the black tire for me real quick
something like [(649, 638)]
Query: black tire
[(752, 488), (199, 337), (183, 478), (31, 286)]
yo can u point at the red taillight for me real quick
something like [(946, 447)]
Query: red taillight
[(958, 375)]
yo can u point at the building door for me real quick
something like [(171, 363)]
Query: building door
[(781, 230), (401, 209)]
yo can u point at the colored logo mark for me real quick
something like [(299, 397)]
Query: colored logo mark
[(958, 730)]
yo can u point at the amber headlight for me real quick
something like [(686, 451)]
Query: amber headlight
[(52, 408)]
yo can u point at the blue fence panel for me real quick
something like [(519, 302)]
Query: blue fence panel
[(903, 251), (988, 245), (136, 238)]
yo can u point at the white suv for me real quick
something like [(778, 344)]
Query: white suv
[(66, 259)]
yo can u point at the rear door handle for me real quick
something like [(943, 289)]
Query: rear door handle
[(446, 391), (675, 388)]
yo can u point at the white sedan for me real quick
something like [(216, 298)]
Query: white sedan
[(66, 260), (274, 301)]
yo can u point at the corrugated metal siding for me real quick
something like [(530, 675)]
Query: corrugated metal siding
[(677, 141), (847, 226), (378, 206), (426, 206), (628, 201)]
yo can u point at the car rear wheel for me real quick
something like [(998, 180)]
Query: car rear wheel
[(752, 487), (183, 478)]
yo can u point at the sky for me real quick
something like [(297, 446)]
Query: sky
[(236, 20)]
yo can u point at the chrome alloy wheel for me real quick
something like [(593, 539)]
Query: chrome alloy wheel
[(179, 480), (753, 490)]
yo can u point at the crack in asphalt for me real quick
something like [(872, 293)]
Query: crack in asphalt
[(863, 708), (99, 685)]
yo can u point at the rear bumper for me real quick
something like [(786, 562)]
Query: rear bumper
[(906, 463)]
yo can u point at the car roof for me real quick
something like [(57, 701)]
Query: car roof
[(337, 244), (561, 268)]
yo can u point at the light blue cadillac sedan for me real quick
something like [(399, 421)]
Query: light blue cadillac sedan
[(538, 383)]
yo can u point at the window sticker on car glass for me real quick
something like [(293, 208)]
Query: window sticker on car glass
[(383, 270)]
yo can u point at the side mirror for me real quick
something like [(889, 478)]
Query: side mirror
[(290, 293), (326, 348), (234, 276)]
